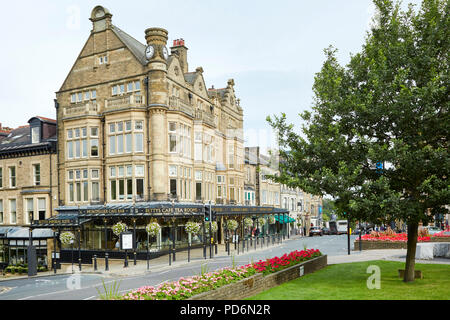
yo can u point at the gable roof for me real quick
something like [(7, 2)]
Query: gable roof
[(190, 77), (137, 48)]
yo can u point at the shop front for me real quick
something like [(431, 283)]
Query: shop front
[(14, 244), (94, 233)]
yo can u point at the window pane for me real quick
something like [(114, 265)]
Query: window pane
[(138, 125), (139, 142), (94, 147), (71, 192), (95, 191), (139, 189), (139, 171), (112, 127), (95, 174), (137, 85), (173, 187), (113, 190), (84, 145), (173, 171), (94, 132), (77, 149), (129, 143), (121, 189), (129, 189), (78, 187), (112, 144), (85, 191), (120, 143), (173, 143)]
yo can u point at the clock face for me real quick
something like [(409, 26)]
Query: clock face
[(165, 53), (149, 52)]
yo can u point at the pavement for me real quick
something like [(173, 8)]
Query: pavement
[(116, 267)]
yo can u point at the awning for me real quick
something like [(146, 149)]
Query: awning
[(284, 219), (24, 233)]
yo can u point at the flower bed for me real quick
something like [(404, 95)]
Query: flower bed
[(398, 237), (276, 264), (185, 288)]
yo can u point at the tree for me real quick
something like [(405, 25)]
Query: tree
[(377, 137)]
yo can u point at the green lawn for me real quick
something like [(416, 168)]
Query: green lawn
[(349, 282)]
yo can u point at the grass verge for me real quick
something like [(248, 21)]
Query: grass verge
[(349, 282)]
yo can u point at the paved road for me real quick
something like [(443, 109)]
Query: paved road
[(86, 286)]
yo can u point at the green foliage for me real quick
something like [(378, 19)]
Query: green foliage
[(389, 104), (109, 292)]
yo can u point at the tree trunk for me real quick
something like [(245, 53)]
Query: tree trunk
[(411, 251)]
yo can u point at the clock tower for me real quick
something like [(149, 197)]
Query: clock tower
[(157, 55)]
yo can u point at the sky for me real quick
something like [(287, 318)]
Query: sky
[(272, 49)]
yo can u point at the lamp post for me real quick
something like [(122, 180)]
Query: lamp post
[(79, 248), (173, 228), (148, 251)]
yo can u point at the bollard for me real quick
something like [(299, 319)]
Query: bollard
[(125, 264), (106, 262), (95, 262), (215, 247), (135, 258), (79, 263), (189, 252)]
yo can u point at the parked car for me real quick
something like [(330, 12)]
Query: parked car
[(433, 230), (326, 231), (315, 231)]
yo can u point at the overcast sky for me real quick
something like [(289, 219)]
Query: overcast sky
[(272, 49)]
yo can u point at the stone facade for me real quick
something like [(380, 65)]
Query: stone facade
[(28, 179), (143, 127), (261, 191)]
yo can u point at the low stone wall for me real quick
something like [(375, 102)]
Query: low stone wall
[(259, 283), (377, 245)]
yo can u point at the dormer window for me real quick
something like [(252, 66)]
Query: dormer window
[(35, 135)]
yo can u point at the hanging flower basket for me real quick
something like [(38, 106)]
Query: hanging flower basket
[(261, 221), (153, 229), (118, 228), (66, 237), (232, 224), (271, 219), (192, 227), (214, 226), (248, 222)]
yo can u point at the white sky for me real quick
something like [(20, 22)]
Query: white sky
[(272, 49)]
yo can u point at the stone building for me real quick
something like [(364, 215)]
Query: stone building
[(28, 186), (142, 138), (142, 126)]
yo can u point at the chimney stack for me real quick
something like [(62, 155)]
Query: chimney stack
[(179, 48)]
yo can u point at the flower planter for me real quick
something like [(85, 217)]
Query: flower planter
[(258, 283)]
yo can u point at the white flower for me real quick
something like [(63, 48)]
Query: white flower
[(192, 227), (118, 228), (232, 224), (66, 237), (248, 222), (153, 229), (261, 221)]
